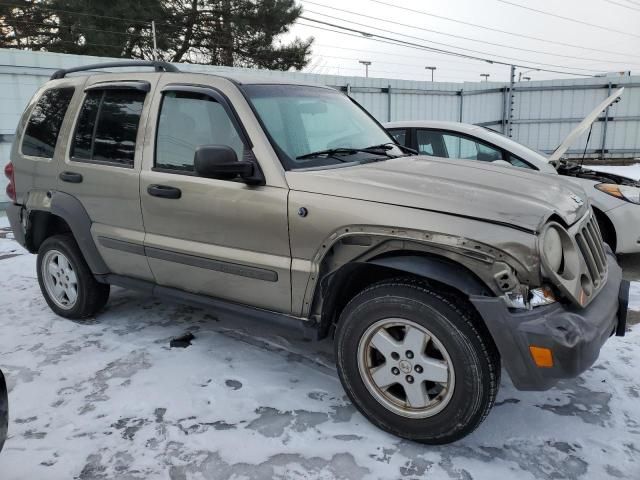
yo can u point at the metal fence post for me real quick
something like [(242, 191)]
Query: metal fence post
[(512, 81), (461, 104), (604, 128), (504, 111), (388, 103)]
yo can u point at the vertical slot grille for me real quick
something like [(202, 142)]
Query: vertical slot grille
[(591, 247)]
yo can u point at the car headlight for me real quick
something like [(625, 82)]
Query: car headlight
[(623, 192), (552, 249), (525, 299)]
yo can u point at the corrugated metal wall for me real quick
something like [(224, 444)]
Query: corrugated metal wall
[(543, 112)]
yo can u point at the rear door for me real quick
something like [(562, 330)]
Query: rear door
[(102, 168), (221, 238)]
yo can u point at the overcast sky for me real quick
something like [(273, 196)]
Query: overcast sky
[(614, 48)]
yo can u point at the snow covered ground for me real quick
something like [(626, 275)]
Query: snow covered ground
[(108, 398)]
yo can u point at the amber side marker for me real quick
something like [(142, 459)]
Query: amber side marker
[(542, 356)]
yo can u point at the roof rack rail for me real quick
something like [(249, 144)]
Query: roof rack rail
[(157, 65)]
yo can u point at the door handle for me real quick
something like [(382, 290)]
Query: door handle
[(71, 177), (164, 191)]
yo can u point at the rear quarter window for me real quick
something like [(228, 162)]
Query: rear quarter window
[(41, 133)]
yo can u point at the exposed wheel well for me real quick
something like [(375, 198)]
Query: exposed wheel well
[(343, 285), (43, 225), (606, 228)]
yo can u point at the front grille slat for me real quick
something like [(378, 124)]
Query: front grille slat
[(595, 232), (589, 258), (591, 246)]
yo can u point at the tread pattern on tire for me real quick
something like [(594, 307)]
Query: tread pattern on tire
[(97, 293), (467, 313)]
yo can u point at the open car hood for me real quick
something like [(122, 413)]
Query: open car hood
[(584, 125)]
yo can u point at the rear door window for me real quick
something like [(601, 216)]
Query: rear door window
[(107, 127), (43, 127)]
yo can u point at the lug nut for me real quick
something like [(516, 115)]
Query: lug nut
[(409, 379), (418, 368), (395, 371), (409, 354), (395, 355)]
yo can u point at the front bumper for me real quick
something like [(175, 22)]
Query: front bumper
[(574, 335)]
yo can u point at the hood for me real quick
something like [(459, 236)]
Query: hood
[(584, 125), (514, 196)]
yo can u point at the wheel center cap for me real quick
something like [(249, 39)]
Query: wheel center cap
[(405, 366)]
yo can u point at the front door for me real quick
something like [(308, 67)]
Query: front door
[(221, 238)]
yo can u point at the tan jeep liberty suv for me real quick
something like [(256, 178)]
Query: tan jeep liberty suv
[(283, 200)]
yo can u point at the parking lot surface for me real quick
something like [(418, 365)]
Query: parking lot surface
[(109, 398)]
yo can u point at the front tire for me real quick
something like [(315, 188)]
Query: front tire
[(415, 362), (66, 282)]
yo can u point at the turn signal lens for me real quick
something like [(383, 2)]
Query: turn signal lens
[(541, 356)]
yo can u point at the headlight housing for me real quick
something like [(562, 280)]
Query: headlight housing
[(623, 192), (552, 249)]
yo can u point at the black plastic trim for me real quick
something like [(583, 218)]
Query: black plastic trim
[(438, 269), (71, 211), (157, 65), (121, 245), (574, 335), (211, 264)]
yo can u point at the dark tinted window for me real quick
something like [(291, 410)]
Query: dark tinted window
[(45, 121), (430, 143), (400, 136), (188, 120), (108, 125), (86, 123)]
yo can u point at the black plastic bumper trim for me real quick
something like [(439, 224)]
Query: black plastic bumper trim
[(574, 335)]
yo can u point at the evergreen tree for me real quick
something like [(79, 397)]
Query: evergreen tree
[(216, 32)]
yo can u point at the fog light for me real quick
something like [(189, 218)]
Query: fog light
[(542, 356)]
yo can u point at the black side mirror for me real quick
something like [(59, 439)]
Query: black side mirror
[(221, 162)]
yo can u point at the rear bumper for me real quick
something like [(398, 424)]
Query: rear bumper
[(14, 213), (574, 335)]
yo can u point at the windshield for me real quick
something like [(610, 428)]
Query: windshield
[(316, 127)]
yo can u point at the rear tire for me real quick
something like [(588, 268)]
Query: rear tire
[(66, 282), (444, 335)]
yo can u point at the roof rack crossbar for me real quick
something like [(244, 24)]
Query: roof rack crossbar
[(157, 65)]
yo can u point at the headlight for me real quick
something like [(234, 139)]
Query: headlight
[(525, 299), (552, 249), (623, 192)]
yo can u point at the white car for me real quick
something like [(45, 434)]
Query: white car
[(615, 199)]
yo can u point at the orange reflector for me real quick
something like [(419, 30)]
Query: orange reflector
[(542, 356)]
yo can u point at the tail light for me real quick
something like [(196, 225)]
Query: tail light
[(11, 188)]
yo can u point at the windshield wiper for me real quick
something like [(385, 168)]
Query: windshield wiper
[(330, 151), (390, 145), (375, 149)]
